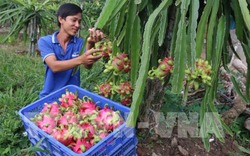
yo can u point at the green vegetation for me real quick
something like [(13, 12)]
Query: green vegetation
[(20, 82)]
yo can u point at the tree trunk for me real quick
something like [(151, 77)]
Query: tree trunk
[(153, 102), (156, 88)]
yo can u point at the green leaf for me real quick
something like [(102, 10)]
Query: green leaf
[(106, 13), (142, 5), (245, 12), (243, 149), (211, 91), (211, 30), (239, 22), (120, 6), (135, 50), (237, 89), (173, 42), (145, 59), (180, 51), (163, 26), (192, 33), (129, 26), (137, 1), (202, 27), (121, 19)]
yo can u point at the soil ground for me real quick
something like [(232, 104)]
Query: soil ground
[(174, 146)]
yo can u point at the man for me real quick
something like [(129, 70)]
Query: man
[(60, 51)]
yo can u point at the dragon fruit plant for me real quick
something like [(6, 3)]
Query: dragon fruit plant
[(119, 64), (201, 74), (164, 68), (105, 46), (77, 123)]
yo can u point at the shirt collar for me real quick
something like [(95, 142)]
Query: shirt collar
[(55, 40)]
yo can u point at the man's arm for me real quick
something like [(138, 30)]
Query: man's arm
[(87, 59)]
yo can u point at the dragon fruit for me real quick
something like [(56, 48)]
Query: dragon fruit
[(108, 119), (80, 146), (47, 123), (124, 89), (165, 66), (126, 100), (68, 99), (51, 109), (67, 119), (87, 107), (119, 64), (62, 135), (201, 74), (105, 89), (89, 128), (105, 46)]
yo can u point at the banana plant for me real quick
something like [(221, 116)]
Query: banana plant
[(140, 29)]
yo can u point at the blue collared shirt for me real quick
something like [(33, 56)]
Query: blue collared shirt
[(49, 45)]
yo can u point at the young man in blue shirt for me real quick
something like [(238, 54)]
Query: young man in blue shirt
[(60, 51)]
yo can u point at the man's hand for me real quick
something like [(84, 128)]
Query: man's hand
[(88, 58), (95, 35)]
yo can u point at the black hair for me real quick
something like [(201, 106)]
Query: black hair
[(67, 9)]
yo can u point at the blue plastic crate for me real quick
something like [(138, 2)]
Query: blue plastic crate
[(122, 141)]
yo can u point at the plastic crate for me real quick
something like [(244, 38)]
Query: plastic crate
[(122, 141)]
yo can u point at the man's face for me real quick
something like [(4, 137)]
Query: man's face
[(71, 24)]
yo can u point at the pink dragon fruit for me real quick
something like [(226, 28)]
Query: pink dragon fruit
[(124, 89), (105, 46), (105, 89), (87, 107), (51, 109), (80, 146), (47, 123), (89, 128), (68, 99), (165, 66), (126, 100), (68, 118), (103, 133), (107, 118), (62, 135), (119, 64)]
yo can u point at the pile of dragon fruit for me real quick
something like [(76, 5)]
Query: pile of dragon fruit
[(77, 123)]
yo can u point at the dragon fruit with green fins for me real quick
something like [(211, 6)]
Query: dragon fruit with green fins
[(164, 68), (126, 100), (124, 89), (105, 89), (105, 46), (119, 64), (201, 74)]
